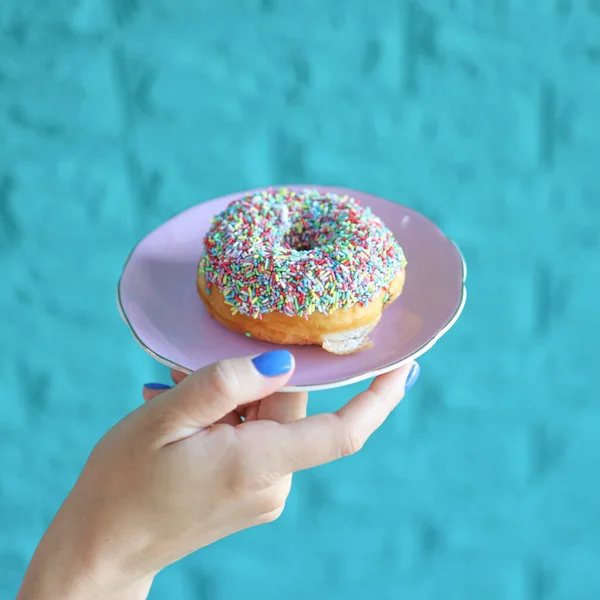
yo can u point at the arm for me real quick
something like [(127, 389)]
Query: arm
[(197, 462), (70, 563)]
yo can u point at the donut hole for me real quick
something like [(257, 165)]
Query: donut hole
[(308, 232), (301, 240), (304, 235)]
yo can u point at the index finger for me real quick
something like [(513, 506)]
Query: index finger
[(323, 438)]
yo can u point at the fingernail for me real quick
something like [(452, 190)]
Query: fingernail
[(413, 375), (156, 386), (276, 362)]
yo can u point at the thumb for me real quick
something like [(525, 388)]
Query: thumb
[(209, 394)]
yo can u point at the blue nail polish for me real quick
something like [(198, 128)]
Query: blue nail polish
[(157, 386), (276, 362), (413, 375)]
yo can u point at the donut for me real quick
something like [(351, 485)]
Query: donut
[(300, 267)]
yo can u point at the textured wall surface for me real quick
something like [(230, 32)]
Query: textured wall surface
[(484, 115)]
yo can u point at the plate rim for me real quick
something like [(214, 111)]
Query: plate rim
[(301, 388)]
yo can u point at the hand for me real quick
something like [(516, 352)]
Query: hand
[(209, 457)]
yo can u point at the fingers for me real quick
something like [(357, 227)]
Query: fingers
[(231, 418), (151, 390), (323, 438), (283, 407), (207, 395), (177, 376)]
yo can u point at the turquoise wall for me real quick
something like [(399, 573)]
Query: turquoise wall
[(485, 116)]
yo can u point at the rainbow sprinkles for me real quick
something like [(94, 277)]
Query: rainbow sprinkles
[(298, 252)]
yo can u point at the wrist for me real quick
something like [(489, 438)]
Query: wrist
[(49, 580), (74, 562)]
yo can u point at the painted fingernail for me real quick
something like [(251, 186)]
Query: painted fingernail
[(413, 375), (276, 362), (157, 386)]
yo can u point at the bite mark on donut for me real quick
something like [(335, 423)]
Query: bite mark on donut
[(347, 342)]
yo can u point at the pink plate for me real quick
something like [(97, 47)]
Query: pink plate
[(158, 300)]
